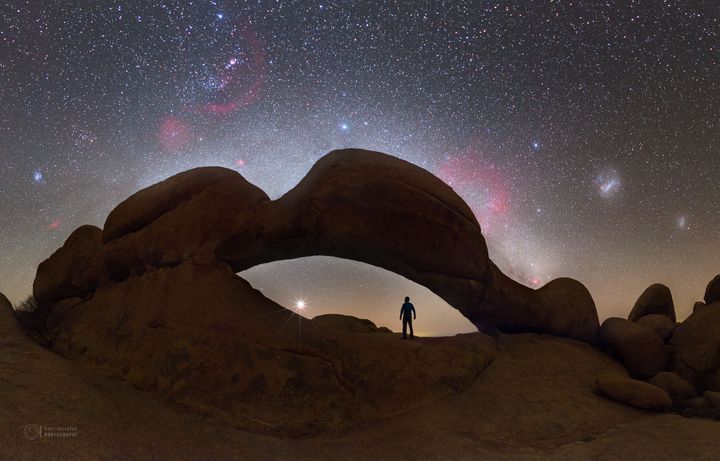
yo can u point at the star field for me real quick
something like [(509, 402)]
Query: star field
[(584, 135)]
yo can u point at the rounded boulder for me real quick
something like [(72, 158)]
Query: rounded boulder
[(73, 270), (712, 292), (697, 348), (677, 388), (633, 392), (656, 299), (660, 324), (638, 347)]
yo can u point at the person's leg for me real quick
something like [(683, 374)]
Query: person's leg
[(404, 327), (411, 329)]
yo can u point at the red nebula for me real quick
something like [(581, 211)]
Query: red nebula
[(240, 163), (478, 181), (54, 224), (174, 134), (241, 80)]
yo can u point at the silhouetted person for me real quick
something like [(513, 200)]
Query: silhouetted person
[(405, 311)]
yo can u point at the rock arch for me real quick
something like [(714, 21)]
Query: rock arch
[(154, 297), (354, 204)]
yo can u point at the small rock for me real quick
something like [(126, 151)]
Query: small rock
[(660, 324), (698, 305), (639, 348), (713, 397), (656, 299), (677, 388), (633, 392), (712, 292), (697, 403)]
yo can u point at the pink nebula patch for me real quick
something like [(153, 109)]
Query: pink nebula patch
[(174, 134), (480, 184)]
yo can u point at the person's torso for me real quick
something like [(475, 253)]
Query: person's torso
[(407, 309)]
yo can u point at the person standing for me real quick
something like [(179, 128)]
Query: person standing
[(405, 311)]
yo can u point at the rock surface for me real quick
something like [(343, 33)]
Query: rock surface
[(204, 337), (660, 324), (713, 398), (639, 348), (656, 299), (633, 392), (698, 305), (353, 204), (535, 402), (712, 291), (677, 388), (697, 348), (72, 270), (8, 323)]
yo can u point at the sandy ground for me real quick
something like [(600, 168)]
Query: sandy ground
[(536, 401)]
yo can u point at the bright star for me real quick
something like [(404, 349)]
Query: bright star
[(300, 305), (38, 176), (536, 145), (220, 15), (344, 127)]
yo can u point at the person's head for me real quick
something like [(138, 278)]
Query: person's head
[(407, 299)]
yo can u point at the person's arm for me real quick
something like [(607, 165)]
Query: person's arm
[(414, 314), (401, 311)]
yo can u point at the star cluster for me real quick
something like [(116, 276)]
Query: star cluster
[(583, 135)]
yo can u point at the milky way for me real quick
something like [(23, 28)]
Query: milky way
[(584, 136)]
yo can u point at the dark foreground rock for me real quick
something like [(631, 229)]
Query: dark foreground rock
[(713, 398), (660, 324), (656, 299), (633, 392), (639, 348), (533, 402), (697, 348), (712, 291), (204, 337), (677, 388)]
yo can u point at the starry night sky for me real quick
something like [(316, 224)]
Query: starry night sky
[(585, 135)]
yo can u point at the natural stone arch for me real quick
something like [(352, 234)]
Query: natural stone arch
[(352, 204), (154, 297)]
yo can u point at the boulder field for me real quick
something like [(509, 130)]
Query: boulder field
[(682, 359)]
